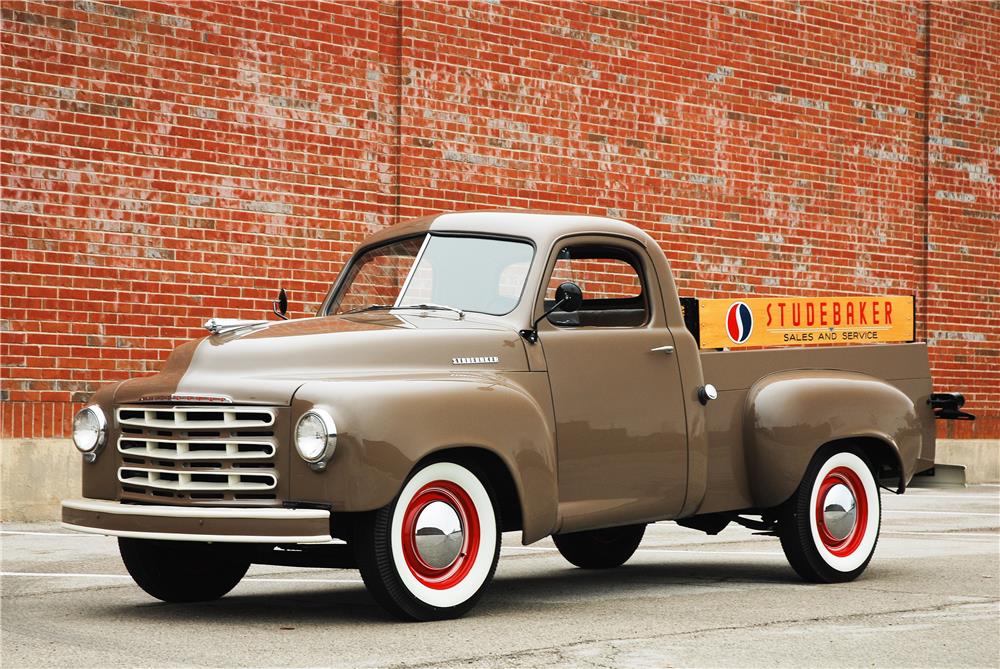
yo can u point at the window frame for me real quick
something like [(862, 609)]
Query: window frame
[(333, 299), (630, 256)]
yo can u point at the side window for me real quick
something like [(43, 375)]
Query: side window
[(611, 280)]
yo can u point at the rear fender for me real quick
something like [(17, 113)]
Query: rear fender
[(791, 415)]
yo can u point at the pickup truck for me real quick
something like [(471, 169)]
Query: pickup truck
[(476, 373)]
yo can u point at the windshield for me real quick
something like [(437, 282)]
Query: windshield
[(461, 273)]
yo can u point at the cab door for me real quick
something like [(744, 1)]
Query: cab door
[(621, 433)]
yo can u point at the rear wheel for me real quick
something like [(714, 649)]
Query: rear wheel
[(430, 554), (830, 527), (181, 571), (600, 549)]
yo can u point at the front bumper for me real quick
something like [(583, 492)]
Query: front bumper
[(192, 523)]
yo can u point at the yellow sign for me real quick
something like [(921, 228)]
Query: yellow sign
[(794, 321)]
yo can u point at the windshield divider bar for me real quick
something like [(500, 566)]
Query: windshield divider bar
[(413, 270)]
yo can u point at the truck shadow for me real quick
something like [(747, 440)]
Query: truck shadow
[(561, 586)]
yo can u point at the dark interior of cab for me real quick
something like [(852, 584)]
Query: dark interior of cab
[(603, 311)]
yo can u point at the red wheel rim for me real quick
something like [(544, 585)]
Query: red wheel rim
[(847, 477), (459, 500)]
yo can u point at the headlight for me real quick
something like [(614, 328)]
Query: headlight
[(316, 438), (89, 431)]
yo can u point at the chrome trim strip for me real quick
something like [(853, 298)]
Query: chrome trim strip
[(166, 511), (211, 538), (178, 397)]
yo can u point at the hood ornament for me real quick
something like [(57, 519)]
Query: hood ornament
[(224, 325)]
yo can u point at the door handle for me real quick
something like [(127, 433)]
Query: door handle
[(662, 349)]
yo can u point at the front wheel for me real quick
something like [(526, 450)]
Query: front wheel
[(600, 549), (829, 528), (430, 554), (181, 571)]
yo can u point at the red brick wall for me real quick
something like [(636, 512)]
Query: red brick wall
[(165, 162), (963, 259)]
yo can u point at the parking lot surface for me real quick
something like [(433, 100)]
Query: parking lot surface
[(931, 597)]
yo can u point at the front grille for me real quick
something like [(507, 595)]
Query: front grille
[(197, 453)]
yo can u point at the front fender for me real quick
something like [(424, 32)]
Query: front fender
[(387, 424), (790, 415)]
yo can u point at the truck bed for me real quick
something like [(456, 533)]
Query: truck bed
[(733, 373)]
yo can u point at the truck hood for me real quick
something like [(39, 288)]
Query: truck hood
[(265, 364)]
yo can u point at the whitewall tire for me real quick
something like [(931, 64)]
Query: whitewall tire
[(830, 527), (430, 553)]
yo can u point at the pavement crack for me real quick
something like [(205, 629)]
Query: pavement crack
[(561, 651)]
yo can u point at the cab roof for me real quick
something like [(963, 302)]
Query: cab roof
[(541, 227)]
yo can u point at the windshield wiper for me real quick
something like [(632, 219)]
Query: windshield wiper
[(432, 306), (389, 307), (370, 307)]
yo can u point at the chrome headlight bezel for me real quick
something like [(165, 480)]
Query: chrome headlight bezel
[(329, 427), (100, 436)]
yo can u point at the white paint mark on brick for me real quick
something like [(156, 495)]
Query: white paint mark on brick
[(955, 335), (36, 113), (955, 197), (720, 75), (978, 172), (18, 206), (268, 207), (203, 112), (860, 67), (706, 180), (674, 221), (174, 21), (474, 159), (892, 154), (807, 103), (947, 141)]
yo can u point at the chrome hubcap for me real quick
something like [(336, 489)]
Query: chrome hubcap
[(438, 535), (840, 511)]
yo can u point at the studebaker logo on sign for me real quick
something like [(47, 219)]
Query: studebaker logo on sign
[(739, 322), (776, 321)]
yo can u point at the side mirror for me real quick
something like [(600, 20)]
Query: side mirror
[(280, 305), (569, 297)]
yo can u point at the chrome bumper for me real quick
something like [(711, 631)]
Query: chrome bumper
[(192, 523)]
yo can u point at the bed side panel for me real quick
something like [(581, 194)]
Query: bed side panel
[(903, 366)]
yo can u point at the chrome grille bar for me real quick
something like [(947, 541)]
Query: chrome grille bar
[(193, 481), (194, 449), (196, 417)]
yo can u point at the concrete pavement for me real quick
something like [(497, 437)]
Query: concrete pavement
[(931, 597)]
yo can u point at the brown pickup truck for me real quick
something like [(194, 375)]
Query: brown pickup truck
[(475, 373)]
